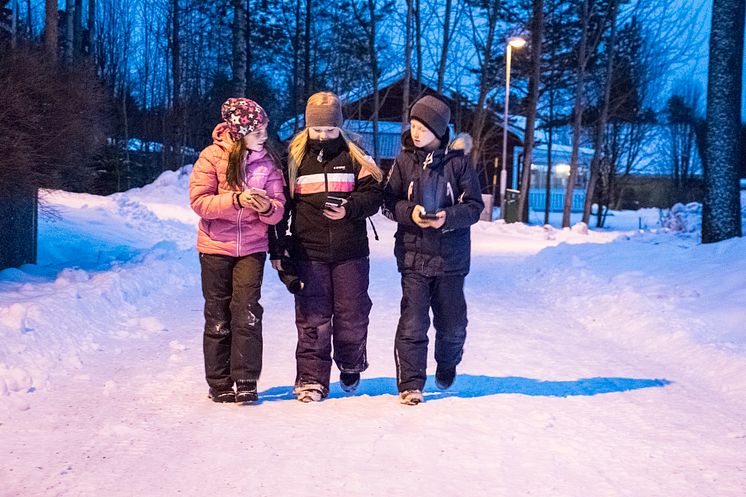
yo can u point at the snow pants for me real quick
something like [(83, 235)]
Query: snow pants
[(233, 318), (445, 295), (331, 312)]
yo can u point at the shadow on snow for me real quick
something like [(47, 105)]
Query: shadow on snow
[(469, 386)]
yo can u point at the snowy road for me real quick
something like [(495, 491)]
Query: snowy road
[(605, 365)]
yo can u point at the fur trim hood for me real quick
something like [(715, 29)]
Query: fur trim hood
[(462, 142)]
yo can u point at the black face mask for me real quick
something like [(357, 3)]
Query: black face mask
[(330, 148)]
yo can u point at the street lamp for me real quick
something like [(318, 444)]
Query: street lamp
[(517, 43)]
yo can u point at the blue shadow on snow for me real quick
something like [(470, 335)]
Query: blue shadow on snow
[(469, 386)]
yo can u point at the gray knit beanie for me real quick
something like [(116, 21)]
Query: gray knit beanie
[(324, 115), (433, 113)]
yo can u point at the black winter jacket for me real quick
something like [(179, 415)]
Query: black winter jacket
[(327, 169), (440, 180)]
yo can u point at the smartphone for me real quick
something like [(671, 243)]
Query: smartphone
[(332, 201), (257, 191), (428, 216)]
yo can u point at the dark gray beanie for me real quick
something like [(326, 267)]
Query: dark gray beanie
[(433, 113)]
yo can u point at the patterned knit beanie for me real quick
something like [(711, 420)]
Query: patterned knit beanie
[(242, 116)]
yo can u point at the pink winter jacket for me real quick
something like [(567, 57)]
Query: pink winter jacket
[(224, 228)]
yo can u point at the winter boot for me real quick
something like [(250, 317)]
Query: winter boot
[(349, 381), (246, 392), (444, 377), (410, 397), (310, 392), (222, 396)]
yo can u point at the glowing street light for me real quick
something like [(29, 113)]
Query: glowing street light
[(516, 43)]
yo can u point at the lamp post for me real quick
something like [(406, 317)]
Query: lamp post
[(512, 43)]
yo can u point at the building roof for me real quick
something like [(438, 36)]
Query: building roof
[(516, 124)]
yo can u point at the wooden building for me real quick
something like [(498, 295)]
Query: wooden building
[(359, 111)]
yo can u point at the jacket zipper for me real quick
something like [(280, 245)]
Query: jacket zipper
[(238, 235), (326, 190), (240, 211)]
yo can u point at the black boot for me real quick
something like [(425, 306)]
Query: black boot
[(444, 377), (222, 396), (246, 392), (349, 381)]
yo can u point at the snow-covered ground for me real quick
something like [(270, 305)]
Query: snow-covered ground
[(607, 363)]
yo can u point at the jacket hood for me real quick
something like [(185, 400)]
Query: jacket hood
[(221, 137), (462, 142)]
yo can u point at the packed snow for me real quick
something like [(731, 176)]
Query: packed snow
[(599, 363)]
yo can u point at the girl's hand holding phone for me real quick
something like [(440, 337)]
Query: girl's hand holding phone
[(255, 201), (335, 213)]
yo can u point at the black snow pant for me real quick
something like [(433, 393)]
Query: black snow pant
[(233, 318), (332, 309), (445, 295)]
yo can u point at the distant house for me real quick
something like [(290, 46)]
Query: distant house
[(359, 109)]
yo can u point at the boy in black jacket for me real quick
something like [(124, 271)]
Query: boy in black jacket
[(433, 193)]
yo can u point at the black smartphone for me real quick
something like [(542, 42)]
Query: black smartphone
[(428, 216), (332, 201)]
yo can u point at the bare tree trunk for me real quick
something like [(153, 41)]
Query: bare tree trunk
[(249, 52), (125, 122), (29, 19), (721, 211), (296, 66), (537, 32), (577, 115), (407, 68), (14, 25), (418, 41), (51, 35), (374, 70), (550, 142), (176, 125), (92, 29), (307, 51), (239, 48), (444, 47), (69, 30), (486, 56), (600, 135), (78, 29)]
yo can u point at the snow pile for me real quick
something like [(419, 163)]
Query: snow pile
[(99, 259), (599, 362), (682, 218)]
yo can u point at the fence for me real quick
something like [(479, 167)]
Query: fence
[(537, 199)]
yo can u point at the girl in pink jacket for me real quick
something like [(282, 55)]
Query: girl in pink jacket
[(236, 188)]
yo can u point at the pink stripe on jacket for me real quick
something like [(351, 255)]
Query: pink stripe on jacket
[(224, 228)]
